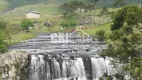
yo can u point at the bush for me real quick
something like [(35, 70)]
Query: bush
[(100, 35), (3, 36), (66, 23), (25, 24), (104, 11), (13, 29), (3, 24)]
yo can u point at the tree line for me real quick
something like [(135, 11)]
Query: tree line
[(124, 41)]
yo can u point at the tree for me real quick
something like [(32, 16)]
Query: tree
[(70, 8), (92, 4), (66, 23), (3, 35), (119, 3), (65, 10), (131, 15), (25, 24), (100, 35), (3, 24), (104, 11), (125, 47)]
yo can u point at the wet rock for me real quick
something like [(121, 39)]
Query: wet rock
[(87, 50)]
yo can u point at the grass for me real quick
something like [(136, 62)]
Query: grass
[(6, 5), (99, 10), (46, 30), (47, 12), (3, 6), (92, 30), (19, 13), (20, 37), (23, 35)]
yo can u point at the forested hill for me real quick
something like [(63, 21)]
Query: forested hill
[(6, 5)]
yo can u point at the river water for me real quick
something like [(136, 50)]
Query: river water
[(56, 57)]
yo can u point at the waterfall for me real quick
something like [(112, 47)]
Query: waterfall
[(39, 70), (82, 68), (101, 66), (56, 70), (42, 68), (98, 67), (110, 69)]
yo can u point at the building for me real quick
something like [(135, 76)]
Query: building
[(33, 14)]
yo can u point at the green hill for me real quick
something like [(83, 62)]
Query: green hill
[(20, 12), (6, 5)]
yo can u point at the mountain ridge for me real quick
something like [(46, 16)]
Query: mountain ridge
[(6, 5)]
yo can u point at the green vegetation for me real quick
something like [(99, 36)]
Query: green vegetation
[(16, 28), (3, 36), (69, 9), (100, 35), (3, 6), (92, 30), (125, 47), (119, 3), (104, 11), (6, 5), (21, 36), (25, 24), (46, 30), (66, 23), (122, 33), (19, 13)]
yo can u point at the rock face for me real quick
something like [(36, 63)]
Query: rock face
[(13, 65)]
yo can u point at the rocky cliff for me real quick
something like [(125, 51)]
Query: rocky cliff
[(13, 65)]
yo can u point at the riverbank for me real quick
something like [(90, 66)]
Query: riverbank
[(21, 36)]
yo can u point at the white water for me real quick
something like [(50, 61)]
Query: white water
[(37, 68), (40, 69), (101, 66), (43, 69)]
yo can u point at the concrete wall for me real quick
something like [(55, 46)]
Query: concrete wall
[(32, 15)]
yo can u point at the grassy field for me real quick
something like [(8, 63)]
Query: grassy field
[(48, 12), (3, 6), (20, 37), (92, 30), (99, 10), (6, 5), (45, 30), (23, 35), (19, 13)]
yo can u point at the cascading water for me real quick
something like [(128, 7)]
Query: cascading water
[(47, 66), (101, 66), (38, 68), (98, 67), (43, 68)]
